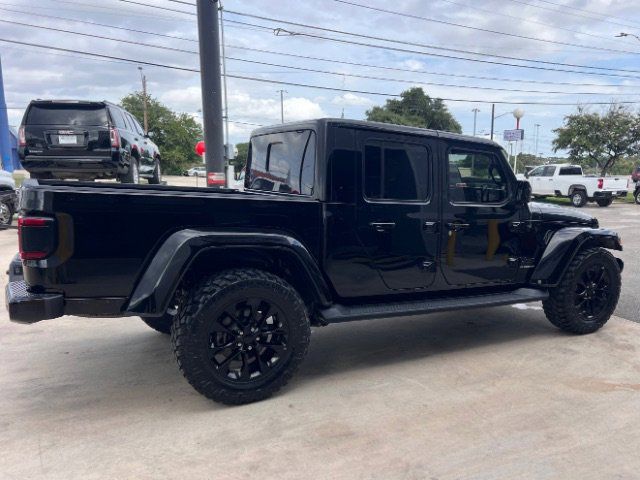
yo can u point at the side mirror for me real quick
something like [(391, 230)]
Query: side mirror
[(149, 135), (526, 174), (523, 192)]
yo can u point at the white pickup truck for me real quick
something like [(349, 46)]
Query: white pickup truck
[(563, 180)]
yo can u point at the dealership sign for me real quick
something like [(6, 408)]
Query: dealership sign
[(513, 135)]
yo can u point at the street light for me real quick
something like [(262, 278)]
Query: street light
[(518, 113)]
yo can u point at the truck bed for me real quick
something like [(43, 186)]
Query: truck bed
[(113, 230)]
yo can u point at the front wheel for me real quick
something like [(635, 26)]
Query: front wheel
[(240, 335), (588, 293), (604, 202), (578, 198)]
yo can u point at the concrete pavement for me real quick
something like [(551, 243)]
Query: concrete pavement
[(493, 394)]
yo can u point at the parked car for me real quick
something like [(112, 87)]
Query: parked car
[(8, 198), (562, 180), (636, 193), (197, 172), (62, 139), (376, 220), (635, 175)]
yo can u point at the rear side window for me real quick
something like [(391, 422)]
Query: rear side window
[(283, 162), (570, 171), (67, 114), (117, 117), (396, 171)]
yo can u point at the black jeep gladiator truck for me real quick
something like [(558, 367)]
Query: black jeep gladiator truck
[(340, 220)]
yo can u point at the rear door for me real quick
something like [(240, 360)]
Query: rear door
[(397, 218), (67, 129)]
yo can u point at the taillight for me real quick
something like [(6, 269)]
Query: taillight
[(36, 237), (115, 137), (600, 183), (22, 139)]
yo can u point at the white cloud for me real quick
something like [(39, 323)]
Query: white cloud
[(352, 100)]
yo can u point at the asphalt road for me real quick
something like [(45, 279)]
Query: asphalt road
[(496, 394)]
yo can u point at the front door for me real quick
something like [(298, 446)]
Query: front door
[(397, 216), (480, 244)]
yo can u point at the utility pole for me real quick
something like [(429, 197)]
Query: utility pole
[(537, 125), (145, 119), (493, 117), (210, 79), (282, 92), (475, 115)]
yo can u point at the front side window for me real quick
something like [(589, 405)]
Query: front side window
[(283, 162), (396, 171), (536, 172), (548, 171), (476, 177)]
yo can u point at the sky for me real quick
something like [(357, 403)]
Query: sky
[(415, 44)]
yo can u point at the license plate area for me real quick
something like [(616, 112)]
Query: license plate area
[(67, 140)]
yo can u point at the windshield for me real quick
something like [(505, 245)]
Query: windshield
[(67, 114)]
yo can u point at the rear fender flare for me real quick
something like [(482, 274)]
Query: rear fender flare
[(564, 245), (177, 254)]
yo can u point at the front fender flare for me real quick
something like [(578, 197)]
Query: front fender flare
[(564, 245), (156, 286)]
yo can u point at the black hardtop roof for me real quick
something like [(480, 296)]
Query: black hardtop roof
[(389, 127), (71, 102)]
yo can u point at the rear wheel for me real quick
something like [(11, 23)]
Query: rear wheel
[(240, 335), (578, 198), (588, 293), (6, 214), (604, 202), (156, 178), (133, 174)]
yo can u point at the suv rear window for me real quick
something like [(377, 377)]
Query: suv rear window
[(63, 114), (283, 162)]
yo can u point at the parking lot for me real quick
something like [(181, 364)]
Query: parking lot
[(496, 393)]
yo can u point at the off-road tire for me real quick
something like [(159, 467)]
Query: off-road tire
[(202, 308), (161, 324), (604, 202), (578, 198), (156, 177), (560, 308)]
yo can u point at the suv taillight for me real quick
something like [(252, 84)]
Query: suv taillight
[(115, 137), (22, 139), (36, 237), (600, 183)]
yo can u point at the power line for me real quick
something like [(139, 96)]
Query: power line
[(370, 77), (302, 85), (309, 57), (573, 13), (417, 17)]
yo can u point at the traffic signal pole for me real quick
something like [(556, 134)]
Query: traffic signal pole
[(210, 79)]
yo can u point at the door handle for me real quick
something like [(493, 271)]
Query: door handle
[(456, 227), (382, 226), (430, 226)]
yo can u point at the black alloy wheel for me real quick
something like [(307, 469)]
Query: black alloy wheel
[(248, 341), (592, 291)]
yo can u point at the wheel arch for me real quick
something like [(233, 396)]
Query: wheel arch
[(576, 186), (564, 245), (187, 255)]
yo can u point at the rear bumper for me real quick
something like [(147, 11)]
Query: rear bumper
[(70, 165), (25, 307), (610, 194)]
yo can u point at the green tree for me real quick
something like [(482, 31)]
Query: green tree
[(175, 133), (241, 158), (417, 109), (599, 140)]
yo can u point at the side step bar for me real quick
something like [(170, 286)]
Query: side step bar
[(347, 313)]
